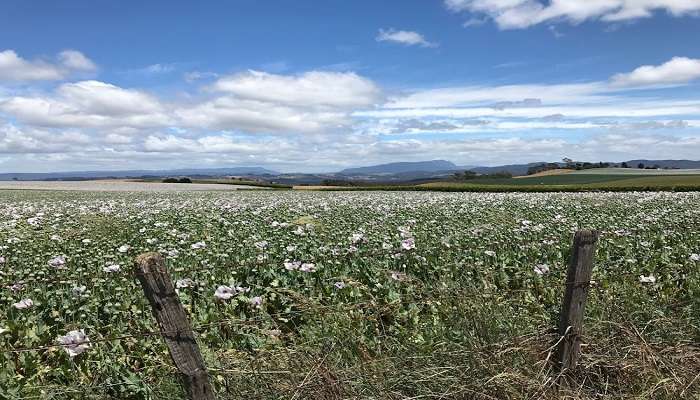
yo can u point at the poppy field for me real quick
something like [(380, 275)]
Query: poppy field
[(334, 295)]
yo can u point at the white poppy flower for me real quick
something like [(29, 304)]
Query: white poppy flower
[(23, 304), (647, 279), (292, 265), (79, 290), (58, 262), (541, 269), (198, 245), (124, 248), (490, 253), (308, 267), (224, 292), (112, 268), (256, 301), (695, 257), (408, 244), (184, 283), (75, 342), (357, 238)]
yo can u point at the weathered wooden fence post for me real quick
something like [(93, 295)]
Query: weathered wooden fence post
[(578, 280), (151, 271)]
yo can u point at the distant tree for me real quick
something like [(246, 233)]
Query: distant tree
[(624, 165), (177, 180), (640, 165)]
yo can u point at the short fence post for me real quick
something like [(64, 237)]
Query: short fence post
[(175, 328), (578, 280)]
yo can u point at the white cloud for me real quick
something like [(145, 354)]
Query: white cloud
[(76, 60), (15, 68), (518, 14), (311, 89), (88, 104), (490, 95), (320, 120), (408, 38), (229, 113), (678, 70)]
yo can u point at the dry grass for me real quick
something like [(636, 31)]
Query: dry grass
[(547, 173)]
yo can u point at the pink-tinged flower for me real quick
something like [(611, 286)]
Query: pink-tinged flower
[(224, 292), (23, 304), (58, 262), (34, 221), (184, 283), (256, 301), (75, 342), (3, 260), (16, 287), (227, 292), (308, 267), (541, 269), (198, 245), (647, 279), (111, 268), (357, 238), (79, 290), (340, 285), (408, 244), (292, 265)]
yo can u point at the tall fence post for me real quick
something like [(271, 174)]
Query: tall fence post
[(174, 326), (578, 280)]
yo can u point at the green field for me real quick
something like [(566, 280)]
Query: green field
[(349, 295), (576, 182)]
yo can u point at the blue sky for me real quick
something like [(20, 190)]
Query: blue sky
[(320, 85)]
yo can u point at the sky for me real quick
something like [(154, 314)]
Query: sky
[(320, 85)]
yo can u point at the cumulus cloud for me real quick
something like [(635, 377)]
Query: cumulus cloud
[(678, 70), (518, 14), (230, 113), (88, 104), (311, 89), (320, 119), (261, 102), (14, 68), (407, 38), (75, 60)]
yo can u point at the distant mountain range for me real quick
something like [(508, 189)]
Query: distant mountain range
[(402, 167), (391, 172), (192, 172)]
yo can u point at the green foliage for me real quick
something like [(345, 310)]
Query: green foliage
[(461, 315)]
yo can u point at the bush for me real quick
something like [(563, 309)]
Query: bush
[(177, 180)]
